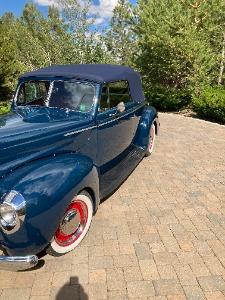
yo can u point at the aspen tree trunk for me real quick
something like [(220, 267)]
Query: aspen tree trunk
[(222, 61)]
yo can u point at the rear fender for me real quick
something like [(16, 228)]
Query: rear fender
[(48, 185), (149, 116)]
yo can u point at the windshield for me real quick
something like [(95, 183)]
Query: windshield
[(71, 95)]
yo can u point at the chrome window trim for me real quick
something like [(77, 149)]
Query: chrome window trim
[(49, 93)]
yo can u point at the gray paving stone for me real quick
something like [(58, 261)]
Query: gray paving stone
[(160, 236)]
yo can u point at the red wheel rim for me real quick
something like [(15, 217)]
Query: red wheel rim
[(73, 223), (152, 138)]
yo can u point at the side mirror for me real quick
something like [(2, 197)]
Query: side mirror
[(121, 107)]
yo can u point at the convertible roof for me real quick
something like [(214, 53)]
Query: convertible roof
[(98, 73)]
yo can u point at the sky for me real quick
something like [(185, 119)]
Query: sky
[(104, 8)]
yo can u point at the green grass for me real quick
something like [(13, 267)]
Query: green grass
[(4, 108)]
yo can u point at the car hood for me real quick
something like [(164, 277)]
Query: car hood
[(28, 134)]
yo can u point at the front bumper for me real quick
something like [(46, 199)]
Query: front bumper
[(18, 263)]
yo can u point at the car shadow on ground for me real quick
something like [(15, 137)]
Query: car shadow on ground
[(72, 291)]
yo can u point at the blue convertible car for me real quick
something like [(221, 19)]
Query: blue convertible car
[(74, 134)]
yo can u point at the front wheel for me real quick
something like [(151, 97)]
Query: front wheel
[(151, 142), (74, 225)]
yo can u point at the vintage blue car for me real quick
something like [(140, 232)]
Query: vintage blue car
[(73, 136)]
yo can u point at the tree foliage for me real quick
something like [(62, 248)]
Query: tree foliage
[(210, 103), (180, 42), (120, 38), (32, 41), (9, 65)]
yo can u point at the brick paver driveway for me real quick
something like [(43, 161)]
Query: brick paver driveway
[(160, 236)]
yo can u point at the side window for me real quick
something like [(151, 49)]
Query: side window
[(119, 92), (114, 93), (104, 102)]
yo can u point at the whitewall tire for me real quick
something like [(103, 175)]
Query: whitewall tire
[(151, 142), (74, 225)]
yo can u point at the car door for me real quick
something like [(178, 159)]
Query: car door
[(116, 130)]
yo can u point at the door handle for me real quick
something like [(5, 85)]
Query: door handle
[(113, 115)]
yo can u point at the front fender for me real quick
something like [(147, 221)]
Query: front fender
[(48, 185), (149, 116)]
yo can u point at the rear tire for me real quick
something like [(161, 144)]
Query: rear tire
[(151, 142), (73, 226)]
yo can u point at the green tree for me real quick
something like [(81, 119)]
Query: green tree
[(120, 38), (31, 42), (9, 65), (53, 43), (62, 46), (180, 43), (88, 42), (77, 17)]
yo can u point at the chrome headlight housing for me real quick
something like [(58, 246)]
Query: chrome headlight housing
[(12, 211)]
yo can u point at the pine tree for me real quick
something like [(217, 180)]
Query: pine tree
[(180, 42)]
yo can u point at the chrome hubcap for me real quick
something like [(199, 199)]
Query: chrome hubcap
[(73, 223), (70, 223)]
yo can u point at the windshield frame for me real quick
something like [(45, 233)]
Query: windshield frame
[(52, 81)]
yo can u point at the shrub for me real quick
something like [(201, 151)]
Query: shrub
[(210, 103), (4, 108), (168, 99)]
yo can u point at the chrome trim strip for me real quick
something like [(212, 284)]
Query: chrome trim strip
[(108, 122), (49, 93), (80, 130), (18, 263)]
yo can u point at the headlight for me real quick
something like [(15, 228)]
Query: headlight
[(12, 211), (8, 215)]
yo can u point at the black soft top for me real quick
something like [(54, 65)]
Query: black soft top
[(99, 73)]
